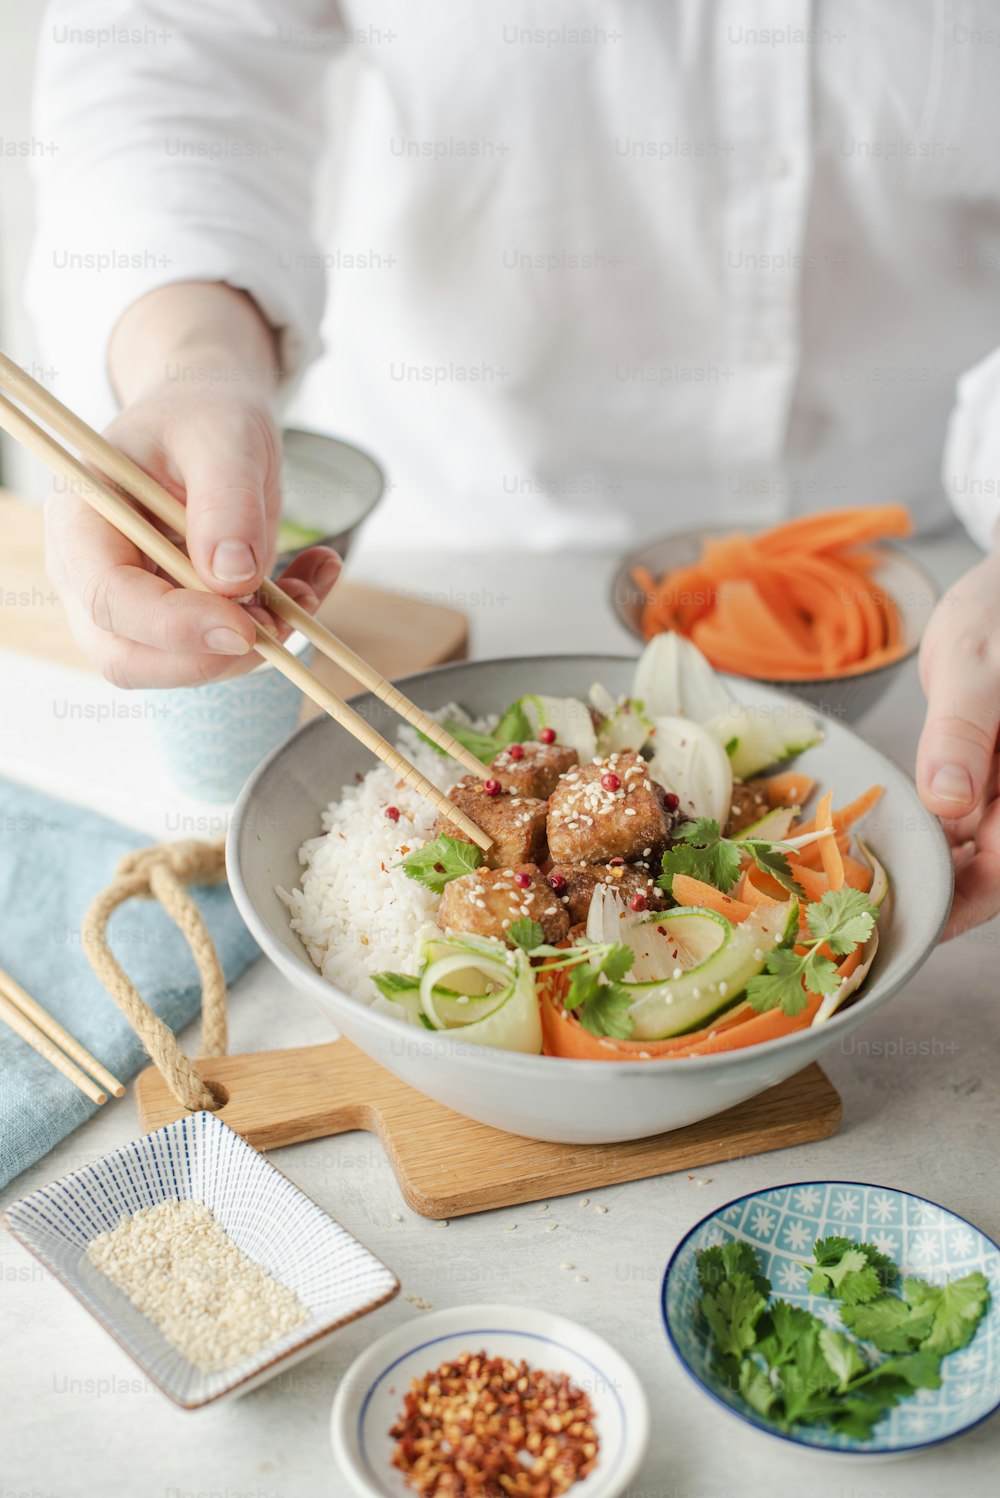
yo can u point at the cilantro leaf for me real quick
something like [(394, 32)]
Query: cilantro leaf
[(888, 1323), (773, 861), (956, 1308), (725, 1261), (437, 863), (842, 919), (780, 987), (702, 852), (756, 1387), (513, 728), (787, 1324), (851, 1272), (842, 1356), (732, 1311), (526, 934), (805, 1382), (918, 1370), (603, 1006)]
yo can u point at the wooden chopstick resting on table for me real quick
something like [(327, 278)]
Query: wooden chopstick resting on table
[(117, 511), (135, 481), (29, 1020)]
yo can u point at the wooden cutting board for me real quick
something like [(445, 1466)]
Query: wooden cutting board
[(447, 1165), (398, 635)]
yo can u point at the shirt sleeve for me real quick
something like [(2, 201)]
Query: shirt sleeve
[(181, 138), (971, 468)]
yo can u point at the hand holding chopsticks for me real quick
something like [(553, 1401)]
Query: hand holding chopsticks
[(48, 1037), (115, 508)]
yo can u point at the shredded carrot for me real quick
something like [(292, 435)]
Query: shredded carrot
[(830, 855), (796, 603), (687, 890), (849, 814), (789, 788)]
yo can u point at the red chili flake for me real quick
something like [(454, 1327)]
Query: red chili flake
[(547, 735), (439, 868), (523, 881), (480, 1425), (492, 787), (615, 863), (516, 751), (671, 800), (610, 782), (662, 930), (556, 882), (638, 902), (392, 812)]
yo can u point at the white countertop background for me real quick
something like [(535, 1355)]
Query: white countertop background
[(921, 1088)]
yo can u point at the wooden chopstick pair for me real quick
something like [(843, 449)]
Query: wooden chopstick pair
[(114, 507), (47, 1036)]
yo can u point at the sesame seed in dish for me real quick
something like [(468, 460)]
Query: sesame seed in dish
[(180, 1268)]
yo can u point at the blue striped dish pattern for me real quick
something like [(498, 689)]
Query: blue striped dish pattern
[(923, 1238), (199, 1158)]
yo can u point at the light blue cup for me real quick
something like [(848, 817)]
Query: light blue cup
[(921, 1237), (211, 738)]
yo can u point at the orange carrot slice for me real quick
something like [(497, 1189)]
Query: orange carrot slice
[(789, 788), (687, 890), (830, 855)]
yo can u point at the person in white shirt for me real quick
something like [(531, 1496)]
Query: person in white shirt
[(598, 267)]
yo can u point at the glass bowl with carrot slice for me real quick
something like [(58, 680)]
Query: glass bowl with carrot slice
[(827, 606)]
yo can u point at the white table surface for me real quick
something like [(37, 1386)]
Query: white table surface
[(921, 1113)]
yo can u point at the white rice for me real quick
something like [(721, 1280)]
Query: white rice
[(357, 912)]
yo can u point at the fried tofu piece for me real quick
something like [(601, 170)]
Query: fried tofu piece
[(627, 879), (489, 901), (608, 809), (515, 823), (750, 802), (535, 771)]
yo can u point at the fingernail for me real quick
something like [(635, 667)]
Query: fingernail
[(952, 783), (224, 641), (327, 575), (233, 562)]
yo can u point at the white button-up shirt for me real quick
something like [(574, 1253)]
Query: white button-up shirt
[(598, 269)]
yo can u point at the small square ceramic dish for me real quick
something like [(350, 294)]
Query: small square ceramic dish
[(370, 1396), (921, 1238), (200, 1159)]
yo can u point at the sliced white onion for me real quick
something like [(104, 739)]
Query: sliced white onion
[(690, 762), (849, 985), (673, 679)]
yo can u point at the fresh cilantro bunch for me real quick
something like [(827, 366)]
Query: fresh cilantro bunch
[(595, 972), (839, 921), (705, 854), (793, 1369), (514, 727), (437, 863)]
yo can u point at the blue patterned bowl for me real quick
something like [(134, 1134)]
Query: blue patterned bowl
[(923, 1239), (201, 1159), (211, 738)]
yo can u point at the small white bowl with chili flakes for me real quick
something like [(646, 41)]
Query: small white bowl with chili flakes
[(487, 1399)]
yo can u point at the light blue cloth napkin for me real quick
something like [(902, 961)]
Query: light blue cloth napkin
[(54, 858)]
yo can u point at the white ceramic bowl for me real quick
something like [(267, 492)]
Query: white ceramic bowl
[(370, 1395), (543, 1097), (844, 697)]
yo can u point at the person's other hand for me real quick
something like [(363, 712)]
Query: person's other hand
[(221, 454), (957, 768)]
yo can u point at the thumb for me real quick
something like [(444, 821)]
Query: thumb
[(959, 736)]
